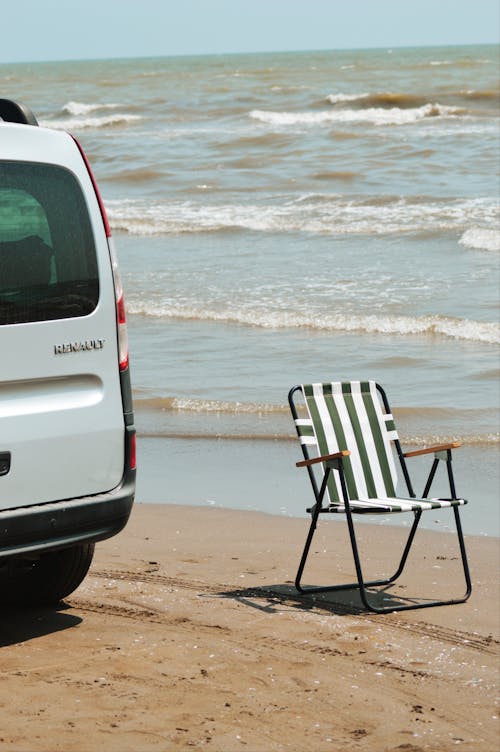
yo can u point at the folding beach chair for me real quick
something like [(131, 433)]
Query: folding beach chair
[(346, 441)]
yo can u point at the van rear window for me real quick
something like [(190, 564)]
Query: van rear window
[(48, 263)]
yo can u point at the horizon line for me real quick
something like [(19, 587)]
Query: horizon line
[(387, 48)]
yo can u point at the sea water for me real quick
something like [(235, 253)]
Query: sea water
[(295, 217)]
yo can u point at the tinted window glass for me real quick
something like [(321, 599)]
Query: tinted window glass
[(48, 264)]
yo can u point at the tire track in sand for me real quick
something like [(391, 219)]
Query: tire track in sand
[(468, 640)]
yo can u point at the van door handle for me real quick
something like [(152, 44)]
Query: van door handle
[(4, 463)]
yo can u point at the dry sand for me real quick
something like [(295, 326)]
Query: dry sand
[(188, 633)]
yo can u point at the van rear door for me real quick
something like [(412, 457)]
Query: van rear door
[(61, 413)]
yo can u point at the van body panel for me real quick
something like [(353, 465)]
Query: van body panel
[(48, 395), (61, 406)]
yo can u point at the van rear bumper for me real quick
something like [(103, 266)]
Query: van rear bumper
[(47, 527)]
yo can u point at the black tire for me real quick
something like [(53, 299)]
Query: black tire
[(48, 579)]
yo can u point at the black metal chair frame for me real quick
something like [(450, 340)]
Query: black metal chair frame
[(334, 462)]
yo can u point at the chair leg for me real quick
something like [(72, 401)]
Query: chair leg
[(428, 604), (310, 535), (362, 585), (357, 561), (463, 554), (314, 521), (407, 547)]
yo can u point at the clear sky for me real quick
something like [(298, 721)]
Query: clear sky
[(84, 29)]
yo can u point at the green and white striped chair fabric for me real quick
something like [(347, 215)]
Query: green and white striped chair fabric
[(350, 415)]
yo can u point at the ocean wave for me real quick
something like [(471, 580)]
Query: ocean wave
[(196, 418), (335, 175), (407, 440), (81, 108), (426, 413), (432, 325), (481, 94), (211, 435), (373, 115), (137, 175), (316, 213), (438, 63), (87, 121), (438, 413), (437, 439), (337, 98), (481, 238), (384, 99), (405, 101), (193, 405), (421, 440), (467, 62)]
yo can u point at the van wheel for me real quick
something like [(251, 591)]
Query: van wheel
[(49, 578)]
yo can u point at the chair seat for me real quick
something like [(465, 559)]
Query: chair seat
[(392, 505)]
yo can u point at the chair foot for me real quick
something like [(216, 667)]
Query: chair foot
[(412, 606), (347, 586)]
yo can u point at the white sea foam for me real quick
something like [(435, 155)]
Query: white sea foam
[(191, 404), (324, 214), (432, 325), (86, 121), (81, 108), (336, 98), (373, 115), (481, 238)]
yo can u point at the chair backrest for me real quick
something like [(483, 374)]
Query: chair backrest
[(351, 415)]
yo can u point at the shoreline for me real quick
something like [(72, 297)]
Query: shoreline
[(261, 476), (188, 633)]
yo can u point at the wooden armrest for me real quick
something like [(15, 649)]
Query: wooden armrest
[(429, 450), (315, 460)]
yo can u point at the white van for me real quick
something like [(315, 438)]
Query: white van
[(67, 438)]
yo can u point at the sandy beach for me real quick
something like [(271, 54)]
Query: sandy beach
[(188, 633)]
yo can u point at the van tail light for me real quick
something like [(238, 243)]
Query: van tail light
[(121, 318), (132, 452), (122, 332)]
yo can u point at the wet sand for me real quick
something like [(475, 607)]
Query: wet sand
[(188, 633)]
